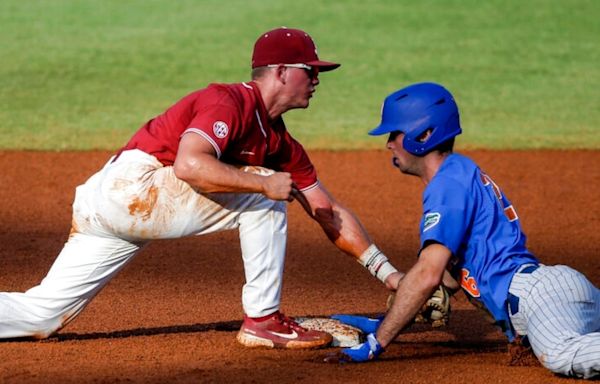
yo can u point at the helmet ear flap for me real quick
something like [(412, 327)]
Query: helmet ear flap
[(425, 135), (415, 141)]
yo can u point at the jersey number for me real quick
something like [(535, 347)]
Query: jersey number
[(468, 283), (509, 210)]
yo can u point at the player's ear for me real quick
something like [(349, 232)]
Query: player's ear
[(280, 73), (283, 73)]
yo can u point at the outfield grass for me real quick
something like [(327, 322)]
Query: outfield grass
[(87, 74)]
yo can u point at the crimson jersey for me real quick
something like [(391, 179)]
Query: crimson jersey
[(233, 118)]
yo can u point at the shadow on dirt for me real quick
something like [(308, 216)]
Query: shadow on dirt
[(459, 336)]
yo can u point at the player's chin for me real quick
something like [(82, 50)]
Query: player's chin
[(307, 99), (303, 104)]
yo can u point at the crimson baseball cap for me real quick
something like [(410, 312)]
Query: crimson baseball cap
[(288, 46)]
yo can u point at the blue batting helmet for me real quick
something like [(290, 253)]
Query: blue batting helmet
[(417, 108)]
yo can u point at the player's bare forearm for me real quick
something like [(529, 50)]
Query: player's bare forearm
[(197, 165), (344, 230), (340, 225), (413, 290), (209, 175)]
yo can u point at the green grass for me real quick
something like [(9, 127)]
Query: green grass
[(87, 74)]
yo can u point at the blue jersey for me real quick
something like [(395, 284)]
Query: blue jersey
[(464, 210)]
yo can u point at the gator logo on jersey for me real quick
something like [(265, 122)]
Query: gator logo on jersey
[(220, 129), (431, 220)]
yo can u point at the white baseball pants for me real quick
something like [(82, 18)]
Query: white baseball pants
[(126, 204), (559, 311)]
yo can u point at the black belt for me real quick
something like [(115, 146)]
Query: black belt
[(513, 301)]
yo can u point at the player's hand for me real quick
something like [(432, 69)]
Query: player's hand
[(392, 281), (278, 186), (365, 324), (369, 350)]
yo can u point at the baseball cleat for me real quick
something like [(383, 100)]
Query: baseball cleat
[(280, 331)]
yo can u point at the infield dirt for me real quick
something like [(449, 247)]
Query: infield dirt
[(173, 313)]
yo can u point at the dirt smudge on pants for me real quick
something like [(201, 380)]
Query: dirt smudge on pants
[(144, 207)]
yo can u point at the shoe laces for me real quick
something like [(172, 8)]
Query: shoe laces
[(288, 322)]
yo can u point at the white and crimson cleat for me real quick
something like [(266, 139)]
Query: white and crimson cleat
[(280, 331)]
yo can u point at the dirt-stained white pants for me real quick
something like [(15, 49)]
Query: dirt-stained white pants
[(559, 311), (131, 201)]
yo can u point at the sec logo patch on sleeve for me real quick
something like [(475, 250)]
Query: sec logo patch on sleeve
[(431, 220), (220, 129)]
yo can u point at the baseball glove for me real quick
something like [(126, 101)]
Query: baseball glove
[(435, 311)]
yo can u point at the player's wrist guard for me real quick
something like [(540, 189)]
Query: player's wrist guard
[(376, 263), (366, 351)]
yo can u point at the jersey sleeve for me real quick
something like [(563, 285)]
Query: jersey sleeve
[(293, 158), (445, 214), (217, 120)]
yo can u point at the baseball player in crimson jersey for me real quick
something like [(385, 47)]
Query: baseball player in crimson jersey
[(220, 158), (470, 228)]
